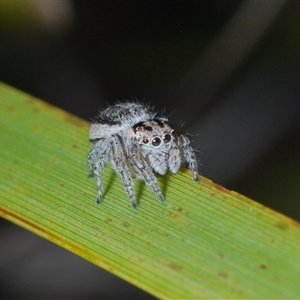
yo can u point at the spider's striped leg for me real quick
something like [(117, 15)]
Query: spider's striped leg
[(189, 155), (144, 170), (120, 162)]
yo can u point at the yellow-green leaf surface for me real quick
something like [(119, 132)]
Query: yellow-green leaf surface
[(202, 242)]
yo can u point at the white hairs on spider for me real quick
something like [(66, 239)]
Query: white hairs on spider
[(136, 141)]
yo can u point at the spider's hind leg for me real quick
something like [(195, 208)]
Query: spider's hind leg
[(96, 162)]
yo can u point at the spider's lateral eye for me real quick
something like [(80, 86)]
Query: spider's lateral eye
[(156, 142), (166, 138), (145, 141)]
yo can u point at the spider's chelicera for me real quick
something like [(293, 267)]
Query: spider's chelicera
[(137, 142)]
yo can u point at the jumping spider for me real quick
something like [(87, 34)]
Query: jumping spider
[(137, 142)]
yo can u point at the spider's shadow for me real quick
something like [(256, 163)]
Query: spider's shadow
[(140, 186), (111, 179), (163, 183)]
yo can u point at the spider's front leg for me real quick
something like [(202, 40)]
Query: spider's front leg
[(189, 155), (96, 162), (144, 170), (119, 158)]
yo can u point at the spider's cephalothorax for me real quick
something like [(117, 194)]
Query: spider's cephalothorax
[(137, 142)]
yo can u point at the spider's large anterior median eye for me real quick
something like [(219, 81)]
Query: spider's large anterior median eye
[(166, 138), (156, 142)]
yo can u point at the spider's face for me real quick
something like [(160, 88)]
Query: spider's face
[(157, 141), (153, 135)]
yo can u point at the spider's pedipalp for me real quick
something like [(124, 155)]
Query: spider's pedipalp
[(174, 160)]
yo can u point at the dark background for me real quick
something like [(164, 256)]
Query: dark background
[(227, 71)]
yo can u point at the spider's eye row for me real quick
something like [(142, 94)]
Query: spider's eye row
[(145, 141), (156, 141), (166, 138)]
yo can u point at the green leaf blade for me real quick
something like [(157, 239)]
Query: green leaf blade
[(202, 242)]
